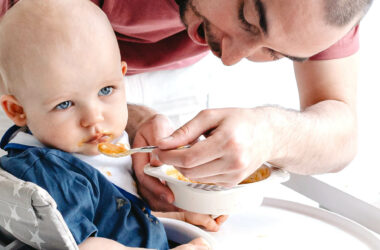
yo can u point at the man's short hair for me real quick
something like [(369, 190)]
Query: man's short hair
[(342, 12)]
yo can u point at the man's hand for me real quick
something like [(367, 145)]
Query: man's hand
[(158, 195), (238, 142)]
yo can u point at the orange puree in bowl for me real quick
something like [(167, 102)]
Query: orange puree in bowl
[(176, 174), (260, 174), (112, 149)]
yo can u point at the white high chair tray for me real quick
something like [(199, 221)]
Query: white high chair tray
[(280, 224)]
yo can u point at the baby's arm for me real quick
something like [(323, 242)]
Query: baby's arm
[(94, 243), (203, 220)]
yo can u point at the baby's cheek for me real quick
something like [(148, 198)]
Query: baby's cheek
[(64, 143)]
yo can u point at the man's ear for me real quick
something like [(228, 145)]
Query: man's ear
[(123, 67), (13, 109)]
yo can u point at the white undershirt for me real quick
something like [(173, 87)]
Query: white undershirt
[(117, 170)]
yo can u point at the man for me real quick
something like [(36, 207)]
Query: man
[(319, 36)]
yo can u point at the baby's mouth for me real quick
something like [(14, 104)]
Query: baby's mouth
[(99, 138)]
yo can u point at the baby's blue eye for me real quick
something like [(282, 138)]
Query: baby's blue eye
[(64, 105), (106, 91)]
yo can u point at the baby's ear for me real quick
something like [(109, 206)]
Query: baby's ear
[(13, 109), (123, 67)]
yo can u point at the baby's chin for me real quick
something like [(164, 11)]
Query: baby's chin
[(90, 152), (83, 150)]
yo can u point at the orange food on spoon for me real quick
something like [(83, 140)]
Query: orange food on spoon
[(112, 149)]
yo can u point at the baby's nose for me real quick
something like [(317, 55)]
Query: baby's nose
[(91, 117)]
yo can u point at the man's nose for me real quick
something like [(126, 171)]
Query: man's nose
[(235, 50), (91, 116)]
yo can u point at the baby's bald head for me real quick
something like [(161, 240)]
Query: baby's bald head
[(39, 37)]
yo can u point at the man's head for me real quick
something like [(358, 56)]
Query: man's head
[(61, 73), (264, 30)]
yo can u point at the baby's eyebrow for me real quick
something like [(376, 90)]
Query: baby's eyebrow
[(55, 100)]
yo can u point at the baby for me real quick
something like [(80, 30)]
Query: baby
[(61, 80)]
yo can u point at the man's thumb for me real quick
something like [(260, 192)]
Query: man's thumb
[(180, 137)]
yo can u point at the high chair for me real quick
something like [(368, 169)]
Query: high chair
[(29, 217)]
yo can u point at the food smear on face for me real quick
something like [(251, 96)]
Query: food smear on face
[(260, 174), (112, 149)]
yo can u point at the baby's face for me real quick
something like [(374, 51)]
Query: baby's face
[(77, 104), (65, 73)]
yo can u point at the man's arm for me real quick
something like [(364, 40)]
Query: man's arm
[(319, 138), (137, 115), (323, 136)]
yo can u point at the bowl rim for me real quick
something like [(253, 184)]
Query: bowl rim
[(277, 175)]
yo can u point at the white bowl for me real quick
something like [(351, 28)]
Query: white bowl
[(182, 232), (241, 197)]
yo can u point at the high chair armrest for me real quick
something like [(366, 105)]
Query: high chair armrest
[(30, 214)]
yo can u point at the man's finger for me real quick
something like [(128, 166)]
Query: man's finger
[(207, 170), (205, 121), (200, 153)]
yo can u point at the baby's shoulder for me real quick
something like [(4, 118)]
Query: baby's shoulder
[(49, 162)]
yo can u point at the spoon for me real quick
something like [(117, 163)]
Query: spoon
[(119, 149)]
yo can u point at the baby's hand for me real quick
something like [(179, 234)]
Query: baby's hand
[(205, 220), (196, 244)]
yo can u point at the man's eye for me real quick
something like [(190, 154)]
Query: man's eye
[(273, 54), (246, 25), (106, 91), (64, 105)]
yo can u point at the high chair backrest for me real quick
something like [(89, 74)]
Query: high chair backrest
[(29, 213)]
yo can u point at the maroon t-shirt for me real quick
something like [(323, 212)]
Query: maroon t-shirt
[(151, 36)]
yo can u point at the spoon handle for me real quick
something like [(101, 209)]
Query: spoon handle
[(149, 149), (146, 149)]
